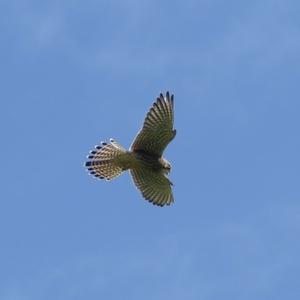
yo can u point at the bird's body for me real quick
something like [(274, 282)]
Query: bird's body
[(144, 159), (140, 159)]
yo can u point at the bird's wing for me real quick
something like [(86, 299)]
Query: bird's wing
[(157, 130), (154, 186)]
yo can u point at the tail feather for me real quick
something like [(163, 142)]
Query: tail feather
[(104, 160)]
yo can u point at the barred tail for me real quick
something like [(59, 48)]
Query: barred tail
[(104, 161)]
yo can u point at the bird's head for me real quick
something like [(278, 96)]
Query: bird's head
[(166, 165)]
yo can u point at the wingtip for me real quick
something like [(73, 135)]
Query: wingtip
[(174, 132), (172, 99)]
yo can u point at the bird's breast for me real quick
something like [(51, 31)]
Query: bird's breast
[(147, 161)]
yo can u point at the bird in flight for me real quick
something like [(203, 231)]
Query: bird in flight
[(144, 159)]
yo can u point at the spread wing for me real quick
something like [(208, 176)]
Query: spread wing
[(155, 187), (157, 131)]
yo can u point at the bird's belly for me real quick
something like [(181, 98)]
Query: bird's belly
[(146, 161)]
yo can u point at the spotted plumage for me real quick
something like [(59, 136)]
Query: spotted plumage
[(144, 159)]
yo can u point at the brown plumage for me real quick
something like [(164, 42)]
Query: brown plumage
[(144, 159)]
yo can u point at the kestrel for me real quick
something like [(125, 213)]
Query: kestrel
[(144, 159)]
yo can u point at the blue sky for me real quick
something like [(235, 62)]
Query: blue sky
[(74, 73)]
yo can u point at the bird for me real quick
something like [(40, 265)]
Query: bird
[(144, 159)]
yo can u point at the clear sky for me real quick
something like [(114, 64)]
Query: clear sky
[(74, 73)]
